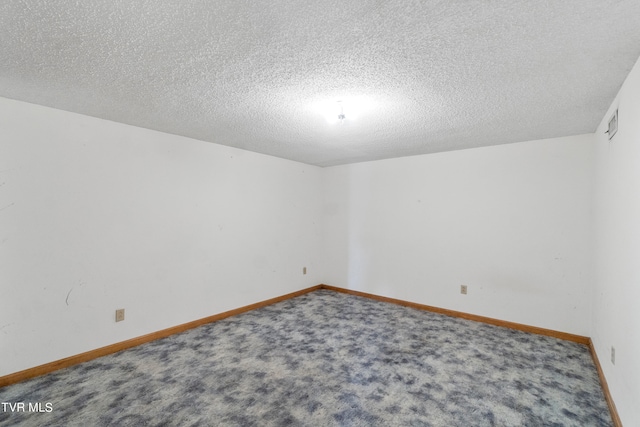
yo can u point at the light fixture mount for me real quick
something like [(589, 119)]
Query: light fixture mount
[(341, 115)]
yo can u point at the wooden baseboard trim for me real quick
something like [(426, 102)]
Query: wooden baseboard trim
[(605, 388), (512, 325), (497, 322), (123, 345)]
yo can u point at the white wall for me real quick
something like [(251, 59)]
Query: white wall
[(617, 246), (512, 222), (96, 215)]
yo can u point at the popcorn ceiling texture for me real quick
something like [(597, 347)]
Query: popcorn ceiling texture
[(425, 76)]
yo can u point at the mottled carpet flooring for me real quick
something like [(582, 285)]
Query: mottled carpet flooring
[(326, 359)]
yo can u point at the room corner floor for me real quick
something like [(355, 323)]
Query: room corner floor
[(324, 359)]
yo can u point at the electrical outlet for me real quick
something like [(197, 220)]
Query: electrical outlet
[(613, 355), (304, 270), (120, 315), (463, 289)]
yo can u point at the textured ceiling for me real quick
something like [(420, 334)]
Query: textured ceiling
[(414, 77)]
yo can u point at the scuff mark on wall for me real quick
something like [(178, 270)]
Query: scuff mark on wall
[(8, 206), (6, 326), (67, 299)]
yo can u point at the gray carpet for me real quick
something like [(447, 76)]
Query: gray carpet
[(326, 359)]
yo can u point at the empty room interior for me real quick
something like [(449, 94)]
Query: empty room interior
[(328, 191)]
